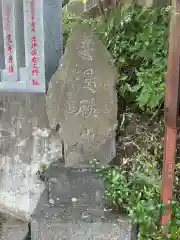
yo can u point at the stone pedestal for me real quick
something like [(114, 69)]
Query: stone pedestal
[(73, 208)]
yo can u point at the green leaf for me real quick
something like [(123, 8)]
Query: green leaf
[(135, 88), (143, 98), (123, 78)]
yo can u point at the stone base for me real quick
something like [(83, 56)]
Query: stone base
[(81, 231), (75, 187), (73, 208), (12, 229), (76, 158)]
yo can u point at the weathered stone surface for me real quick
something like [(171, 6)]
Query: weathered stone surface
[(13, 229), (20, 191), (81, 231), (82, 97), (26, 142), (20, 115), (77, 209), (66, 184), (71, 193), (15, 127), (105, 153), (53, 39)]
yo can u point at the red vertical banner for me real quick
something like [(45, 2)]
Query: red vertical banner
[(171, 112)]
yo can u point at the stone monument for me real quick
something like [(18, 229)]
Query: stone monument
[(82, 100)]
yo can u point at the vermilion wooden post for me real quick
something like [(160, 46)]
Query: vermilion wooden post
[(171, 111)]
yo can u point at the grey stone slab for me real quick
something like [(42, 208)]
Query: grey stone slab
[(75, 157), (82, 98), (2, 61), (9, 38), (20, 116), (9, 25), (81, 231), (26, 142), (1, 38), (17, 124), (20, 191), (16, 128), (66, 213), (77, 187), (70, 194), (13, 229), (53, 39), (78, 209)]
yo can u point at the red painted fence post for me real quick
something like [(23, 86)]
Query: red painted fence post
[(171, 111)]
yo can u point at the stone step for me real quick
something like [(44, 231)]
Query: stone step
[(12, 229), (73, 208), (82, 231)]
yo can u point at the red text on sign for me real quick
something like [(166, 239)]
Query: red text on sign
[(35, 58), (9, 41)]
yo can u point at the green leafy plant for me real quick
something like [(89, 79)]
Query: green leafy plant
[(138, 41), (134, 186), (138, 194), (70, 21)]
